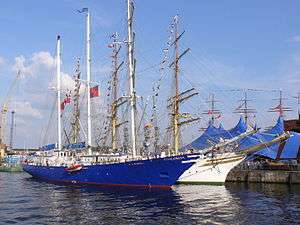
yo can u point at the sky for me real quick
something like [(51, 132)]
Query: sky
[(234, 45)]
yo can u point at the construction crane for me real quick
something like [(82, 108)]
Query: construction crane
[(12, 125), (5, 108)]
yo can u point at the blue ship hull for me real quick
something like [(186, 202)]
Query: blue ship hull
[(150, 173)]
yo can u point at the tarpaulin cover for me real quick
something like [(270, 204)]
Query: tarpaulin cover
[(76, 145), (48, 147)]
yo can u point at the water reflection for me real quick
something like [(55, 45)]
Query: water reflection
[(113, 205), (26, 201), (267, 203)]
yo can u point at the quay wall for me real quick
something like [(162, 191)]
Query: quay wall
[(264, 176)]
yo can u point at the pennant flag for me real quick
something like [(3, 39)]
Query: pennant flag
[(94, 92)]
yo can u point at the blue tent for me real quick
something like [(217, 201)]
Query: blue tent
[(289, 149), (278, 128), (210, 136), (292, 147), (221, 128), (240, 128), (213, 135)]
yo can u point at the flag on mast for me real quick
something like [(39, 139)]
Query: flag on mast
[(94, 91), (83, 10), (66, 100)]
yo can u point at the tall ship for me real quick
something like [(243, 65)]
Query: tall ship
[(216, 162), (114, 168), (222, 150)]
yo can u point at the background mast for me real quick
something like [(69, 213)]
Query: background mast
[(243, 108), (178, 98), (116, 102), (280, 108), (213, 112), (76, 113)]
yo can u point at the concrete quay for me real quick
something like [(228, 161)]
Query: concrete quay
[(264, 176)]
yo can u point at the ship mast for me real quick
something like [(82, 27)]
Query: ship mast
[(212, 111), (280, 108), (76, 113), (116, 102), (176, 131), (298, 100), (178, 97), (297, 97), (58, 75), (155, 125), (243, 108), (131, 73), (88, 80)]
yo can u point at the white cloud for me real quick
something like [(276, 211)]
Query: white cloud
[(40, 61), (45, 59), (2, 61), (295, 38), (24, 108), (40, 72), (101, 21), (67, 83), (35, 100)]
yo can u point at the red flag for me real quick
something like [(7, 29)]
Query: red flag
[(62, 105), (67, 100), (94, 92)]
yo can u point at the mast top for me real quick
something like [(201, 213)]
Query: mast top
[(280, 108)]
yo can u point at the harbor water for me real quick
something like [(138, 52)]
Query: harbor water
[(24, 200)]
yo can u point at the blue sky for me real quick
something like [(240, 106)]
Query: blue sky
[(248, 44)]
